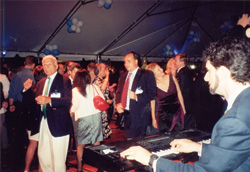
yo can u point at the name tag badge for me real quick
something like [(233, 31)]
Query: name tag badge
[(55, 95)]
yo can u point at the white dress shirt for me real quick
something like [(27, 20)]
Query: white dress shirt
[(131, 80)]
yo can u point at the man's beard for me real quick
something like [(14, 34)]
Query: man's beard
[(213, 89)]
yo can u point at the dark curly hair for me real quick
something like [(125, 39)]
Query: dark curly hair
[(234, 54)]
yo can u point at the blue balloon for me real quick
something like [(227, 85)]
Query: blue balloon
[(107, 6), (47, 52), (224, 29), (164, 53), (190, 37), (55, 52), (164, 49), (196, 34), (69, 23), (70, 30)]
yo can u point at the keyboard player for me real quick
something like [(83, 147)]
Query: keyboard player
[(228, 65)]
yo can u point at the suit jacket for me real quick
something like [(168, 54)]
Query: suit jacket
[(230, 143), (185, 80), (29, 109), (58, 116), (140, 110)]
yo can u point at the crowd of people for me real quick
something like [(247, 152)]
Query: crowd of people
[(52, 103)]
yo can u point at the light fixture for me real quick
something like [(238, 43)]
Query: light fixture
[(4, 52), (248, 31)]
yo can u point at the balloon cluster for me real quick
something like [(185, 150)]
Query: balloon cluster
[(104, 3), (168, 50), (74, 25), (51, 50), (227, 25), (193, 37)]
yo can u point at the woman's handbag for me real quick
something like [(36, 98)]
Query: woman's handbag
[(99, 102)]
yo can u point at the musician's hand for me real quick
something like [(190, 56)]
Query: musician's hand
[(137, 153), (119, 108), (185, 145), (42, 100)]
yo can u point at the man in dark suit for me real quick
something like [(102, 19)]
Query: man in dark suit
[(228, 66), (185, 80), (53, 96), (134, 102)]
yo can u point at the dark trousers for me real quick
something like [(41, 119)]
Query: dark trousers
[(17, 134), (132, 131)]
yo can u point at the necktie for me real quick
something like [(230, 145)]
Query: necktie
[(46, 94), (125, 91)]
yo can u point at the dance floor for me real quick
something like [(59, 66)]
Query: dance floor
[(8, 161)]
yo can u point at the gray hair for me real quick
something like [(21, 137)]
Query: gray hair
[(50, 57)]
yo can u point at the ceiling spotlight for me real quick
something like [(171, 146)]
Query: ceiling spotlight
[(4, 52), (192, 66), (248, 32)]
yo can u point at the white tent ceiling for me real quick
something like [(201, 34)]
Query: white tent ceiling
[(143, 26)]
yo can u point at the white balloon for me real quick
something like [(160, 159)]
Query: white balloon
[(171, 53), (73, 27), (55, 47), (78, 30), (191, 32), (168, 47), (74, 20), (80, 23), (99, 6), (100, 3), (47, 46), (108, 1), (50, 47)]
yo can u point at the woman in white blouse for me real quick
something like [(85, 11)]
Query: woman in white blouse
[(89, 130)]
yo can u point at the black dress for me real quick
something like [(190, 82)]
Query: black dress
[(170, 116)]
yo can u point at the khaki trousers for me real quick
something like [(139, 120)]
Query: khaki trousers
[(52, 151)]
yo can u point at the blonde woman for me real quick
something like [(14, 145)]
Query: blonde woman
[(170, 67), (170, 105)]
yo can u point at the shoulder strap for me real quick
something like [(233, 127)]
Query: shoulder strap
[(94, 90)]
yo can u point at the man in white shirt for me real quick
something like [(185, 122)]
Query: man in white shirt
[(133, 99)]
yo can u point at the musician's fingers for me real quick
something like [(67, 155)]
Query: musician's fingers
[(127, 153), (175, 142)]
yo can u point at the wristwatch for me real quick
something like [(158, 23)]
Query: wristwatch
[(152, 158)]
